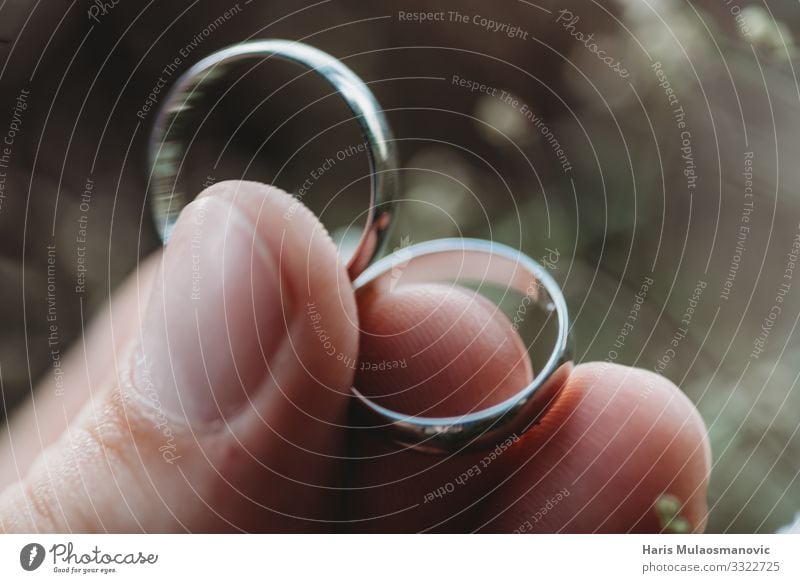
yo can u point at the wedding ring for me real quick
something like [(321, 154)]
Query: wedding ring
[(167, 149), (475, 263)]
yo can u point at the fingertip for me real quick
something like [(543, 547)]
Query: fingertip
[(437, 350), (617, 439)]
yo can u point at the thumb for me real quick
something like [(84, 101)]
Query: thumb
[(228, 403)]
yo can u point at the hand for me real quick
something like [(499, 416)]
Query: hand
[(213, 395)]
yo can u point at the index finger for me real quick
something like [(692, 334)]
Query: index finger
[(615, 442)]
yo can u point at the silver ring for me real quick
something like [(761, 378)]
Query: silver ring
[(166, 149), (480, 262)]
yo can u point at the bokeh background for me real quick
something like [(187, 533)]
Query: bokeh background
[(621, 198)]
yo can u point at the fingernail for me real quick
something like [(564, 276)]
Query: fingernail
[(214, 318)]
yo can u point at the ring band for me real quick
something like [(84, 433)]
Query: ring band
[(167, 151), (480, 262)]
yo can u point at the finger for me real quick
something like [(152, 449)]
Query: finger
[(506, 485), (448, 337), (84, 375), (228, 417), (427, 350), (618, 448)]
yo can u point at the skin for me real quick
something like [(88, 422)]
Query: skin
[(228, 410)]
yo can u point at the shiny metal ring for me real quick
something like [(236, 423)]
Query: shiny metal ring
[(481, 262), (167, 150)]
